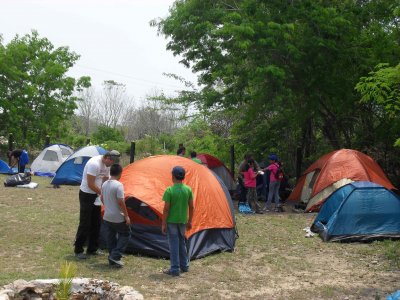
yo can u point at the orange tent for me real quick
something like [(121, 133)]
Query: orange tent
[(332, 171), (213, 226)]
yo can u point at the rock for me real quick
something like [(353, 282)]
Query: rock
[(77, 297)]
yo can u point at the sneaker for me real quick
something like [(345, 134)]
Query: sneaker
[(80, 255), (168, 272), (184, 270), (114, 262), (97, 252)]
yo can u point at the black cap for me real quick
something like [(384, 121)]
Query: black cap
[(178, 172)]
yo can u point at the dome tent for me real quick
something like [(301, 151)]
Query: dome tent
[(50, 159), (5, 168), (332, 171), (359, 211), (219, 168), (213, 226), (71, 170)]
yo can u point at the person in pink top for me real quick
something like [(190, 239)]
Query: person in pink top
[(274, 183), (250, 183)]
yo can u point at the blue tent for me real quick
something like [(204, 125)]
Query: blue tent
[(71, 170), (359, 211), (5, 168)]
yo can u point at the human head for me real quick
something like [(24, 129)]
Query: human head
[(273, 157), (116, 171), (111, 157), (193, 154), (181, 151), (178, 172)]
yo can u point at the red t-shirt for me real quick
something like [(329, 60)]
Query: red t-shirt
[(250, 178), (273, 168)]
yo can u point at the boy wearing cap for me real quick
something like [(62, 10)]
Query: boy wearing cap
[(96, 171), (178, 200)]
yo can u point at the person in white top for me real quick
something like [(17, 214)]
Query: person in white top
[(96, 171)]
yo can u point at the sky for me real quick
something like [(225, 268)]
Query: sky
[(113, 38)]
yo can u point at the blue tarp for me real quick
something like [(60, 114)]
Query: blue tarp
[(359, 211)]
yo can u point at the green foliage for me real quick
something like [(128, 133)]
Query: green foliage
[(382, 87), (288, 69), (36, 95), (149, 145), (392, 252), (198, 136), (122, 147), (105, 133), (67, 274)]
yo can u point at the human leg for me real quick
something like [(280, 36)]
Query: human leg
[(173, 242), (275, 192), (122, 231), (94, 232), (111, 237), (252, 198), (183, 253), (86, 201)]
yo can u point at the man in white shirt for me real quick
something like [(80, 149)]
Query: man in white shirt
[(96, 171)]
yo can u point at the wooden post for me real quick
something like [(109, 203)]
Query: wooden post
[(47, 141), (10, 142), (299, 162), (132, 153), (233, 160), (10, 145)]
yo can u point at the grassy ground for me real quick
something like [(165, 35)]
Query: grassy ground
[(272, 260)]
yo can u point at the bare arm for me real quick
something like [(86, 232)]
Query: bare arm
[(91, 180), (191, 209), (165, 217), (122, 206)]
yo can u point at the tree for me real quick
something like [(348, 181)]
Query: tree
[(287, 67), (113, 103), (36, 95), (381, 89), (87, 109)]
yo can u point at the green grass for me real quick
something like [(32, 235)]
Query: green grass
[(272, 259)]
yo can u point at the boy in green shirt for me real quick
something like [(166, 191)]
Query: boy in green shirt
[(178, 201)]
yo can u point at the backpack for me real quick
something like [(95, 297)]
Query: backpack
[(279, 175), (17, 179)]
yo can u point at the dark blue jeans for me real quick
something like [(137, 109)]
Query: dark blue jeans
[(117, 238), (178, 255)]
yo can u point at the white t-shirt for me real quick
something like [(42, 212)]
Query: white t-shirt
[(94, 167), (112, 190)]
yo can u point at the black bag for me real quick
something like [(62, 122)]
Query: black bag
[(17, 179)]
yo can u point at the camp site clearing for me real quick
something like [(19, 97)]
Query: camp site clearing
[(272, 257)]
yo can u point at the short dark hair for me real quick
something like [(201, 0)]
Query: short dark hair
[(115, 170), (193, 154), (178, 172)]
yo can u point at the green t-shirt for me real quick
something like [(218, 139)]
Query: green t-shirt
[(178, 196), (197, 160)]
